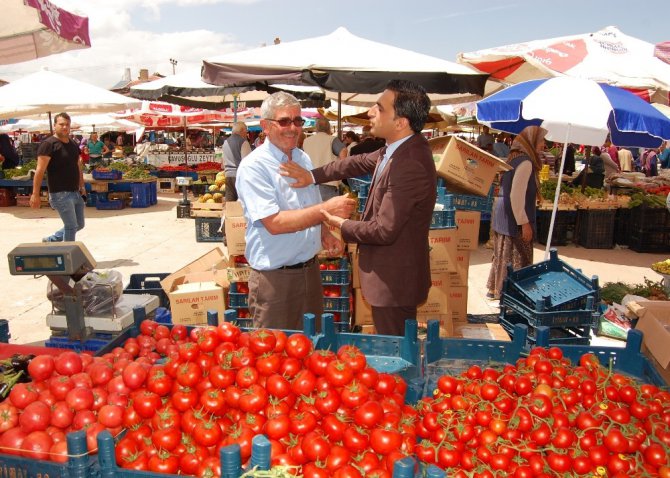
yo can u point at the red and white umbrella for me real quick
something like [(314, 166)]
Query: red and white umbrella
[(31, 29), (157, 114), (606, 56)]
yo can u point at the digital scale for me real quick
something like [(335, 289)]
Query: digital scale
[(65, 264)]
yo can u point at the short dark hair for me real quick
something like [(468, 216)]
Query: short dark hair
[(411, 102), (62, 115)]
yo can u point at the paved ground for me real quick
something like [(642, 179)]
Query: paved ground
[(137, 241)]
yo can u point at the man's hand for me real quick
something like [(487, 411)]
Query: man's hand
[(340, 206), (35, 201), (526, 232), (331, 244), (332, 220), (291, 169)]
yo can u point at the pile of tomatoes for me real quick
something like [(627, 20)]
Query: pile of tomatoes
[(324, 412), (544, 417)]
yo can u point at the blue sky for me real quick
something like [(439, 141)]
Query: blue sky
[(147, 33)]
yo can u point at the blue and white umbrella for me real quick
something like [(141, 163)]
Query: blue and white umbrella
[(575, 110)]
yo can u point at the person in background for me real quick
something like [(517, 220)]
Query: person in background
[(664, 158), (392, 234), (96, 149), (235, 148), (322, 148), (120, 140), (625, 159), (611, 166), (260, 139), (613, 152), (569, 166), (110, 147), (9, 158), (59, 157), (284, 231), (350, 139), (514, 215), (485, 139), (500, 148), (368, 143), (650, 162)]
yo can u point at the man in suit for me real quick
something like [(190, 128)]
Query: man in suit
[(392, 234)]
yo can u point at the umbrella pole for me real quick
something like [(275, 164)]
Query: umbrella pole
[(339, 114), (185, 143), (557, 194)]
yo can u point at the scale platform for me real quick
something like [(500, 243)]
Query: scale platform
[(124, 314)]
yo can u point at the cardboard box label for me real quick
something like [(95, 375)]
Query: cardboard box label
[(464, 164), (436, 303), (442, 244), (468, 223), (236, 228), (189, 303), (458, 303)]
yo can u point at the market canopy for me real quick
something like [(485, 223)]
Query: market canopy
[(354, 68), (31, 29), (46, 92), (86, 123), (606, 56), (158, 114), (188, 89)]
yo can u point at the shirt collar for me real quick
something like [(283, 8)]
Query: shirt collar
[(390, 148), (278, 153)]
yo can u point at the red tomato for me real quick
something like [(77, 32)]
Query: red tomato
[(35, 417), (68, 363), (41, 367)]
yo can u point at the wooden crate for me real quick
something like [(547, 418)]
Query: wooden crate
[(24, 201), (204, 209), (123, 196), (99, 186)]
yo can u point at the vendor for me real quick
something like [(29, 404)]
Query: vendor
[(8, 155)]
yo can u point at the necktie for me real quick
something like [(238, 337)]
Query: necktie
[(382, 164)]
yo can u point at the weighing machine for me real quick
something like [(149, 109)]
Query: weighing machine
[(65, 264)]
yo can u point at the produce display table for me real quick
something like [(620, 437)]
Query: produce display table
[(7, 350)]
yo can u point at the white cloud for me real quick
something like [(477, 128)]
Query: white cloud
[(117, 44)]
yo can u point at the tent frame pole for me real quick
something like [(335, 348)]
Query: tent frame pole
[(557, 194)]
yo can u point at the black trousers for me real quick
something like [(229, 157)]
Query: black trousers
[(391, 320)]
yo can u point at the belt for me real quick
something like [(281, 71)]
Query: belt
[(300, 265)]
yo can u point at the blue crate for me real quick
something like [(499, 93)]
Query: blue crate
[(472, 202), (207, 229), (336, 304), (163, 316), (111, 175), (149, 284), (453, 355), (120, 187), (359, 185), (238, 301), (89, 345), (140, 194), (4, 331), (556, 283), (556, 335), (343, 290), (447, 200), (443, 219), (112, 204), (384, 353), (339, 276), (537, 316), (361, 202), (92, 198), (153, 193), (79, 464)]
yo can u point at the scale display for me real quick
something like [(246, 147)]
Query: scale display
[(39, 264), (55, 259)]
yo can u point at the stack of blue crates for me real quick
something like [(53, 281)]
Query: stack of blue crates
[(550, 294), (337, 280)]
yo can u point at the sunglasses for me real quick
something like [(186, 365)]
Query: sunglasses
[(285, 122)]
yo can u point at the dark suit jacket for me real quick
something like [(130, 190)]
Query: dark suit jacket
[(393, 232)]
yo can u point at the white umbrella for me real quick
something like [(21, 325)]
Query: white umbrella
[(607, 56), (31, 29), (47, 92)]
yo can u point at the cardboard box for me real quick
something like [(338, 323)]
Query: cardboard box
[(235, 227), (355, 271), (190, 302), (457, 303), (442, 244), (465, 165), (437, 296), (459, 277), (467, 223), (446, 323), (198, 287), (654, 322), (362, 309)]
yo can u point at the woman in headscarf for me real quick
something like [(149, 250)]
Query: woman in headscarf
[(514, 214), (9, 158)]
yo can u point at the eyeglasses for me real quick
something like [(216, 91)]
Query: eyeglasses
[(286, 122)]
